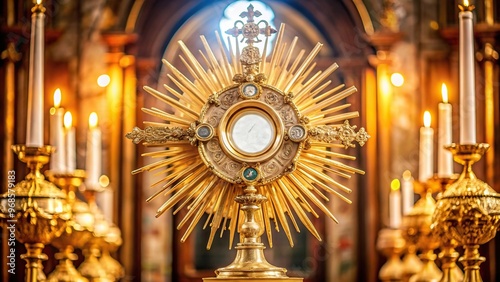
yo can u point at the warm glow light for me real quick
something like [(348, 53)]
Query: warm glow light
[(103, 80), (93, 120), (104, 181), (397, 79), (68, 120), (395, 184), (406, 175), (444, 93), (57, 98), (38, 2), (427, 119), (466, 3)]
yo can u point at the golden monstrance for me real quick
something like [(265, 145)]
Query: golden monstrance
[(251, 142)]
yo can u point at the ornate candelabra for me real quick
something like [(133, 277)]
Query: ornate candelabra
[(420, 219), (77, 231), (391, 243), (35, 209), (448, 255), (469, 210)]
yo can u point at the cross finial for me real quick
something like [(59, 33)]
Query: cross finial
[(250, 30), (250, 13)]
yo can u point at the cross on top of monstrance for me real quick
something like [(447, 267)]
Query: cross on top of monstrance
[(253, 142)]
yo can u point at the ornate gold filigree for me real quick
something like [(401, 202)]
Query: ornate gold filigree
[(159, 135), (345, 133)]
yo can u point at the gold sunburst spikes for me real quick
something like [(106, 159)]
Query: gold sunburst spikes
[(168, 100)]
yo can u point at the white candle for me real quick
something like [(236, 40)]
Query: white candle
[(70, 142), (407, 191), (104, 201), (58, 159), (395, 205), (34, 127), (467, 79), (93, 160), (445, 157), (426, 150)]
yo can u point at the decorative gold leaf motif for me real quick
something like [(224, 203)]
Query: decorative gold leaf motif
[(345, 134), (159, 135)]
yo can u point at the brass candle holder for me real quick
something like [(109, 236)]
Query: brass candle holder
[(76, 233), (411, 263), (420, 220), (391, 243), (91, 268), (112, 241), (448, 255), (35, 208), (250, 263), (469, 210)]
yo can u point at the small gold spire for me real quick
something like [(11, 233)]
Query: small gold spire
[(250, 56)]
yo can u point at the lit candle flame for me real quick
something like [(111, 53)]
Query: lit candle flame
[(427, 119), (466, 3), (93, 120), (395, 184), (57, 98), (68, 120), (38, 2), (444, 93)]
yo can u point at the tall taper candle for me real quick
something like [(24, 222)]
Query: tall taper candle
[(395, 205), (93, 161), (426, 165), (445, 157), (407, 192), (466, 77), (70, 142), (57, 159), (34, 127)]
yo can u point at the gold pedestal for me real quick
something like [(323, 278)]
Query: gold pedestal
[(448, 256), (35, 208), (91, 268), (391, 243), (411, 263), (74, 234), (469, 210), (420, 220), (112, 241), (250, 263)]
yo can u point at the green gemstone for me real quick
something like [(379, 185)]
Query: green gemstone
[(250, 174)]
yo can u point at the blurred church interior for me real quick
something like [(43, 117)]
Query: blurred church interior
[(397, 53)]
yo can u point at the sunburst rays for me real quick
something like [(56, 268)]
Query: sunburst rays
[(188, 184)]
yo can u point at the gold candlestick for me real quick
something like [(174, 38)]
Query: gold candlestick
[(91, 268), (420, 219), (391, 243), (250, 263), (448, 255), (35, 208), (469, 210), (75, 234), (411, 263), (112, 241)]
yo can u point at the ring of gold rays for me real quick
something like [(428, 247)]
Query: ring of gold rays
[(237, 117)]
